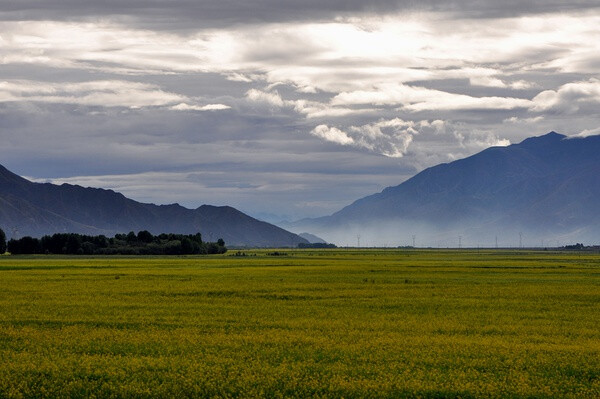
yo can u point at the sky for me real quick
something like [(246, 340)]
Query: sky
[(283, 109)]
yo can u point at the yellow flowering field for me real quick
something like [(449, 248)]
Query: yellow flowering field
[(306, 323)]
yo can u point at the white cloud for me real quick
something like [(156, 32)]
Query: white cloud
[(588, 132), (487, 81), (103, 93), (207, 107), (334, 56), (387, 137), (271, 99), (517, 120), (478, 140), (362, 61), (397, 138), (239, 77), (419, 99), (522, 85), (491, 81), (310, 109), (390, 138), (569, 98), (332, 134)]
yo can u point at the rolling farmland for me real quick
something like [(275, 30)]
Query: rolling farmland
[(306, 323)]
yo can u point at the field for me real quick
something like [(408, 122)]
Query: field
[(331, 323)]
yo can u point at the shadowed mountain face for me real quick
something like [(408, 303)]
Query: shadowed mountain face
[(311, 238), (546, 188), (36, 209)]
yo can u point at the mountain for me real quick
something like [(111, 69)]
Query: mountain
[(313, 239), (545, 188), (36, 209)]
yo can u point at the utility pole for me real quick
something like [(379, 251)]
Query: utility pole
[(414, 237), (496, 242), (520, 240), (459, 241), (358, 240)]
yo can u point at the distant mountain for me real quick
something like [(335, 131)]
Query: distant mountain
[(36, 209), (313, 239), (545, 188)]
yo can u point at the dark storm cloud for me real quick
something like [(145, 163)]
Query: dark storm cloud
[(181, 14)]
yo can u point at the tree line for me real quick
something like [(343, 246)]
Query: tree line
[(316, 245), (142, 243), (2, 242)]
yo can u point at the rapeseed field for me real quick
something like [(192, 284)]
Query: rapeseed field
[(307, 323)]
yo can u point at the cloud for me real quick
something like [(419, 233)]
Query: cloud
[(102, 93), (239, 77), (387, 137), (314, 94), (517, 120), (490, 81), (479, 140), (570, 98), (332, 134), (415, 140), (271, 99), (184, 14), (315, 110), (207, 107), (588, 132), (419, 99), (335, 55), (390, 138), (310, 109)]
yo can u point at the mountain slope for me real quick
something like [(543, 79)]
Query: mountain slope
[(35, 209), (546, 186)]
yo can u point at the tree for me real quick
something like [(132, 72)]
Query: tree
[(187, 246), (73, 244), (26, 245), (145, 236), (2, 242), (131, 238)]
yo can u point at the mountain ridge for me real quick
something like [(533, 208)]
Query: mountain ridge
[(545, 186), (36, 209)]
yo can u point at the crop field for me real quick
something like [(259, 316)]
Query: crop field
[(306, 323)]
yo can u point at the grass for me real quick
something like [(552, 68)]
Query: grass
[(312, 323)]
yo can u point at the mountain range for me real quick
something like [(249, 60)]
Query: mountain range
[(36, 209), (544, 189)]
